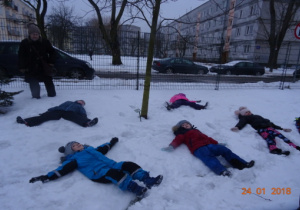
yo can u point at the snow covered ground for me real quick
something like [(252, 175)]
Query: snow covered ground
[(188, 184)]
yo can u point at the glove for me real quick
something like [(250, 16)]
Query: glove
[(42, 178), (168, 149), (235, 129), (113, 141), (287, 130)]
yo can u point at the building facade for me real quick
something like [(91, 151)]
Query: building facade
[(13, 14), (226, 30)]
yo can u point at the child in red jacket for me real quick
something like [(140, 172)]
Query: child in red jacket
[(205, 148)]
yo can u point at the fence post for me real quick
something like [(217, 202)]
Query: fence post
[(281, 86), (138, 61), (217, 82)]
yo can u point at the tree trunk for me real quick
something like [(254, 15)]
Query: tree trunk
[(276, 37), (146, 95), (116, 52)]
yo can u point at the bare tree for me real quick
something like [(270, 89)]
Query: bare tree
[(40, 8), (110, 36), (281, 16), (61, 23)]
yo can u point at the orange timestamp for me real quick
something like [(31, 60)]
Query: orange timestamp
[(262, 191)]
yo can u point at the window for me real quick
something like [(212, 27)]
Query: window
[(253, 10), (241, 14), (249, 30), (238, 33), (246, 48)]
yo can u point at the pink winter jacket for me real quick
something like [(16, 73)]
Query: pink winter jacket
[(179, 96)]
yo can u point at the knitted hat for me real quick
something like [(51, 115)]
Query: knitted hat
[(67, 150), (179, 124), (242, 111), (32, 28)]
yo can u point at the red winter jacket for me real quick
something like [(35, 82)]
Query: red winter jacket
[(193, 139)]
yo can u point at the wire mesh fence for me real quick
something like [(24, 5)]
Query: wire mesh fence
[(87, 44)]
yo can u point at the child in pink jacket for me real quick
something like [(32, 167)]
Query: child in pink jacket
[(180, 99)]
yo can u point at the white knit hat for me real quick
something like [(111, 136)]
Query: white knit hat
[(242, 111)]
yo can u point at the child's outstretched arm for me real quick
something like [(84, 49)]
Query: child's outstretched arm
[(104, 148), (67, 167)]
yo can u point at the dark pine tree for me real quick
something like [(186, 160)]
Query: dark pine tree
[(6, 98)]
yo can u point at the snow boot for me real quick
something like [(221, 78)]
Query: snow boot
[(168, 106), (226, 173), (21, 120), (152, 181), (92, 122), (276, 151), (238, 164), (136, 189), (250, 164)]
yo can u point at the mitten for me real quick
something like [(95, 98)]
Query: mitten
[(113, 141), (42, 178), (168, 149)]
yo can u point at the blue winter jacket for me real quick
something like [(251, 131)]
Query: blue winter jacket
[(91, 162), (69, 106)]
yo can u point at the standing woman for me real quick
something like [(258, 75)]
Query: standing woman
[(33, 50)]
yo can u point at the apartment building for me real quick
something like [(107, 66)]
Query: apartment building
[(14, 16), (226, 30)]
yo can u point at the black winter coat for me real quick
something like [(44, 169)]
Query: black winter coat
[(31, 59), (257, 122)]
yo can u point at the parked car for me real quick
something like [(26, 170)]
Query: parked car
[(178, 65), (238, 68), (66, 65), (296, 73)]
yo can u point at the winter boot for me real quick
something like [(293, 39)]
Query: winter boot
[(276, 151), (21, 120), (136, 189), (238, 164), (226, 173), (152, 181), (205, 106), (298, 124), (250, 164), (92, 122), (168, 106)]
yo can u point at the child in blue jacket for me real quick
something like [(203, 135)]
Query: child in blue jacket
[(93, 163)]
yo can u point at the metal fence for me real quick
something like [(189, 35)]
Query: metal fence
[(80, 42)]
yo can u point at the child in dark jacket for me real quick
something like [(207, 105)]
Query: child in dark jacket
[(264, 127), (93, 163), (205, 148), (180, 99), (70, 110)]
